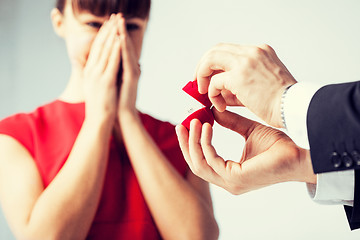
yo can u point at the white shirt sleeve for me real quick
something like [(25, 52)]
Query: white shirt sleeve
[(332, 187)]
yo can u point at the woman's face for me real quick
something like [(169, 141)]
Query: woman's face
[(79, 30)]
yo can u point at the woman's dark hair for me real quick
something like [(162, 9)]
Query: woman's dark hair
[(130, 8)]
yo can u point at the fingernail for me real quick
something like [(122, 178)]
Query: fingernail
[(192, 122)]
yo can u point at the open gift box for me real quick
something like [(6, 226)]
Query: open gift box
[(204, 114)]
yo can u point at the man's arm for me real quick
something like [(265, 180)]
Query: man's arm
[(333, 122), (332, 187)]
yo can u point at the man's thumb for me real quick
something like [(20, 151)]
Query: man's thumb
[(234, 122)]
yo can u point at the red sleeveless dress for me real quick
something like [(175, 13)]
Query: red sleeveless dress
[(49, 133)]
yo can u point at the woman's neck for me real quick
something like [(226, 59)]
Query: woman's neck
[(73, 92)]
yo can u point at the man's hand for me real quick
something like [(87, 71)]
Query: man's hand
[(269, 155), (250, 76)]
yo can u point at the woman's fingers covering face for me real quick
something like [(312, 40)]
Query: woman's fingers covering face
[(108, 48), (99, 41), (113, 62), (129, 57), (126, 44)]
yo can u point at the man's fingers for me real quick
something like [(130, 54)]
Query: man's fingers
[(216, 87), (267, 48), (235, 122), (183, 138), (230, 98), (194, 145), (212, 158), (197, 165), (213, 61)]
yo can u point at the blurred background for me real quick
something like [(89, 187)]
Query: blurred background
[(317, 40)]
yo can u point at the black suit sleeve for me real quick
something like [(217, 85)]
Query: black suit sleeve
[(333, 122)]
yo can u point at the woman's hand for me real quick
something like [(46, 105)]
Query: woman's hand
[(130, 75), (269, 155), (100, 73)]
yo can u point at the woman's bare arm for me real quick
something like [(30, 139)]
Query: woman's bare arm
[(181, 208), (66, 208)]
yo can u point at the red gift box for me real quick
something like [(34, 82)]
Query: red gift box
[(204, 114)]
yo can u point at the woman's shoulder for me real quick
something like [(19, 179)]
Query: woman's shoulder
[(18, 120), (48, 110), (24, 126), (19, 126), (21, 118)]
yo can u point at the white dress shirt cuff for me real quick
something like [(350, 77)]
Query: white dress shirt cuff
[(296, 104), (332, 187)]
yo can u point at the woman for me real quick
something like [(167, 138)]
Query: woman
[(89, 165)]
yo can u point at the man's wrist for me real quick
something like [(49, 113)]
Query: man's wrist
[(282, 112), (306, 166), (296, 104)]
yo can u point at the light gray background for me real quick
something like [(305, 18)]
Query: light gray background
[(317, 40)]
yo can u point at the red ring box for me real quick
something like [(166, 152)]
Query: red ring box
[(204, 114)]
